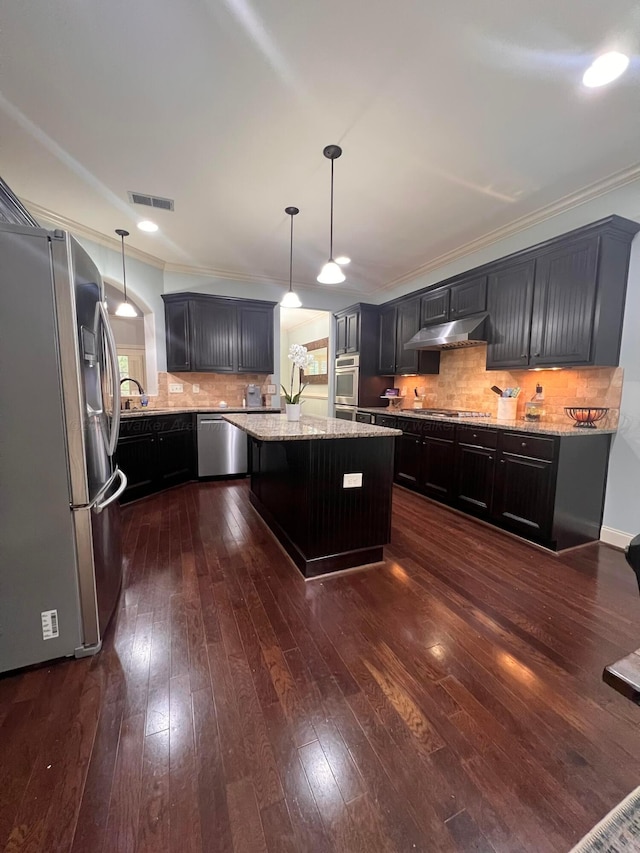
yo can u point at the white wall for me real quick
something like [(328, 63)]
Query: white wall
[(622, 506), (316, 397), (146, 284)]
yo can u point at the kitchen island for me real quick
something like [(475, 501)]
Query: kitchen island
[(323, 488)]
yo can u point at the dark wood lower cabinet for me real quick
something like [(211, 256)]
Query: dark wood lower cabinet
[(523, 495), (156, 453), (474, 478), (549, 489)]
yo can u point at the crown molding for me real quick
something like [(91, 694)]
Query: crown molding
[(95, 236), (56, 219), (575, 199)]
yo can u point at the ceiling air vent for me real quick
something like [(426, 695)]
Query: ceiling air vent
[(151, 200)]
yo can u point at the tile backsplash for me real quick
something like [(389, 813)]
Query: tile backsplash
[(214, 387), (465, 383)]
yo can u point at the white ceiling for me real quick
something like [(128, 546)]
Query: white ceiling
[(456, 119), (291, 318)]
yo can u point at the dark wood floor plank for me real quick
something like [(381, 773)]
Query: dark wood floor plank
[(246, 825), (124, 808), (153, 824), (184, 818)]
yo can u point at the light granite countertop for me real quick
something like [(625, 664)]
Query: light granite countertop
[(201, 410), (308, 428), (539, 428)]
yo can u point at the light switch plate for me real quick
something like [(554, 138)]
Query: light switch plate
[(195, 389), (271, 389), (175, 388), (352, 481)]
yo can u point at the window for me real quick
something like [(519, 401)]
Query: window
[(131, 363)]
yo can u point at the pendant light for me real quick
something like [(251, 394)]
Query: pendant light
[(291, 299), (125, 309), (331, 272)]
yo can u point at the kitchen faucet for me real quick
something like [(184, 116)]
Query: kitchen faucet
[(143, 396)]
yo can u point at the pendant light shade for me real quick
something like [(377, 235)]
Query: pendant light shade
[(291, 299), (125, 309), (331, 272)]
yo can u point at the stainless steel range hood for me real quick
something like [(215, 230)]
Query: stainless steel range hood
[(468, 332)]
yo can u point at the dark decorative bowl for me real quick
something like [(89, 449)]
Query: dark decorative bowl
[(586, 416)]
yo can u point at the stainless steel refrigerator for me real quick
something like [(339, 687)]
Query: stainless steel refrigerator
[(60, 530)]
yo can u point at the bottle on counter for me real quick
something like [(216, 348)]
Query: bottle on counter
[(534, 409)]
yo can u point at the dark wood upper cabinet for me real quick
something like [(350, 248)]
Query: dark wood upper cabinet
[(509, 303), (564, 303), (213, 336), (434, 307), (218, 335), (348, 332), (468, 297), (341, 335), (407, 325), (176, 317), (352, 332), (255, 339), (387, 361)]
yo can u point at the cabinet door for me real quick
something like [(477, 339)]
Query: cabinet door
[(407, 325), (474, 478), (387, 360), (434, 307), (213, 330), (352, 332), (468, 297), (175, 457), (563, 304), (255, 339), (509, 301), (341, 335), (177, 333), (136, 456), (437, 473), (523, 495), (409, 451)]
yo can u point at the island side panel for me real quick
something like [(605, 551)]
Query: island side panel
[(298, 488)]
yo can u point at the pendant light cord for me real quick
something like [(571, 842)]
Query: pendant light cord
[(124, 271), (331, 218), (291, 257)]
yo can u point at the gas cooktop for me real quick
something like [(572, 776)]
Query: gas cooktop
[(447, 413)]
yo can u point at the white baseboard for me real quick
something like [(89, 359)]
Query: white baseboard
[(615, 537)]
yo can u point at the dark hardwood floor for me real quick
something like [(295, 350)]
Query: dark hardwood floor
[(450, 700)]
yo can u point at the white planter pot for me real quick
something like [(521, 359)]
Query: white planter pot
[(293, 411)]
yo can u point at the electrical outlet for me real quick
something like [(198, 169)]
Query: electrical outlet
[(352, 481), (271, 389), (174, 388), (195, 389)]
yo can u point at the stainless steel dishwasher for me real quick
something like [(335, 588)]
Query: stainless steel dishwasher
[(222, 448)]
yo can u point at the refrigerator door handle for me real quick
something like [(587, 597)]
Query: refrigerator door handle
[(98, 504), (115, 378)]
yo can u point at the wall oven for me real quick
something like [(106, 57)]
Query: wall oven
[(347, 369), (345, 413)]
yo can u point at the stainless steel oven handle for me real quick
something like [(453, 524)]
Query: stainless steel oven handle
[(100, 505), (115, 379)]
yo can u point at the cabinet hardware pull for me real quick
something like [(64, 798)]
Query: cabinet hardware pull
[(524, 355), (502, 461), (490, 458), (536, 355), (524, 444)]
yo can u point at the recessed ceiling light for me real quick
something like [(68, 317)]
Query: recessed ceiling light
[(604, 69), (343, 260), (147, 225)]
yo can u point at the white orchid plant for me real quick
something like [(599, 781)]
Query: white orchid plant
[(300, 359)]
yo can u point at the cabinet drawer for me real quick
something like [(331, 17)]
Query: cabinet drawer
[(385, 421), (412, 426), (478, 437), (524, 444), (438, 429)]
